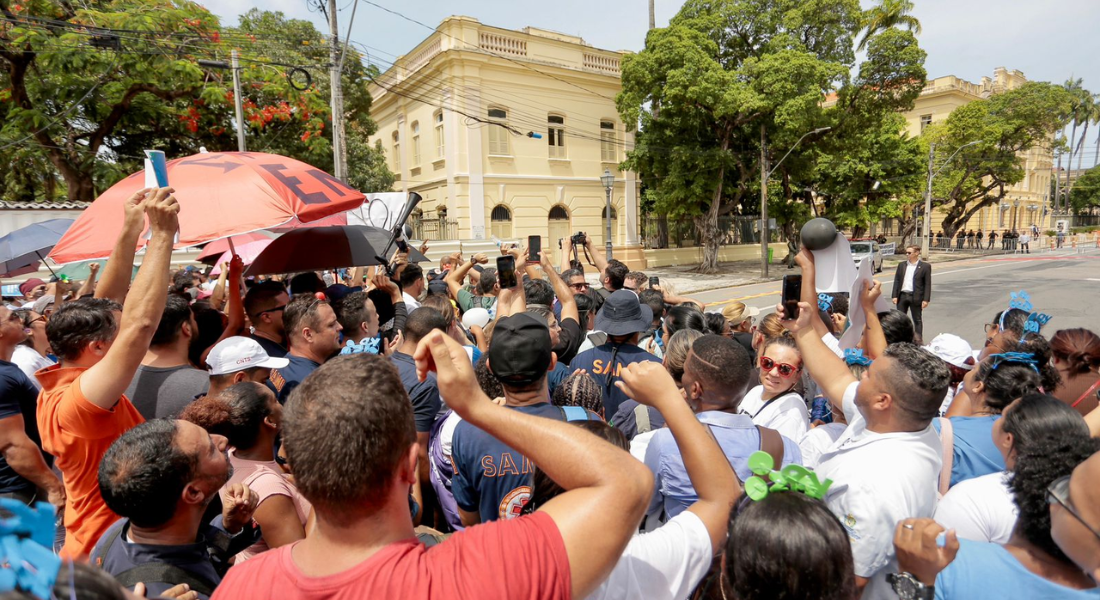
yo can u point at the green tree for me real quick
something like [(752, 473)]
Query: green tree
[(732, 75), (1004, 125), (84, 90), (1086, 192), (888, 14)]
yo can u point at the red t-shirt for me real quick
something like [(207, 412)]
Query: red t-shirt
[(519, 559)]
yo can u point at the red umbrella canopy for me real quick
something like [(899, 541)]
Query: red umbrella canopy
[(220, 194)]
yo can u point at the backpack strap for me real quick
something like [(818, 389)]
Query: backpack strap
[(161, 572), (97, 558), (573, 413), (947, 440), (772, 443), (641, 417)]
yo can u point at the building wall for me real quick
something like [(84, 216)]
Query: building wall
[(467, 70), (1024, 203)]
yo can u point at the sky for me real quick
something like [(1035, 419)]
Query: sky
[(965, 38)]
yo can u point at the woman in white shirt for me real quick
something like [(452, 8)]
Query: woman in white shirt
[(982, 508), (774, 403), (30, 355)]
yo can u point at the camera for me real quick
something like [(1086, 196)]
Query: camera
[(578, 238)]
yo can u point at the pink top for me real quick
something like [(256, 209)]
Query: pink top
[(267, 480), (518, 559)]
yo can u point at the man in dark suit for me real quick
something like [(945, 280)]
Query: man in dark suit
[(913, 286)]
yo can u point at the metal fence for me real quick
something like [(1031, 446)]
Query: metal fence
[(434, 229), (661, 232)]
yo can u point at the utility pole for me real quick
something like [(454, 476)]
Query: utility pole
[(339, 150), (926, 238), (652, 16), (1058, 184), (764, 231), (236, 66)]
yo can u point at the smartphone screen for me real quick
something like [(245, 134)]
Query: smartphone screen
[(654, 281), (534, 248), (792, 292), (506, 272)]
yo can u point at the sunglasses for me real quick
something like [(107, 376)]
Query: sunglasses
[(1058, 493), (276, 309), (785, 370)]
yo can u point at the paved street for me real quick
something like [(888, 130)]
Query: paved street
[(966, 294)]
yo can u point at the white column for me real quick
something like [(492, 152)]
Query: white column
[(475, 156), (450, 150), (631, 198), (404, 141)]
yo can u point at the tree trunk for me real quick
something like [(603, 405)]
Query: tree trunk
[(1081, 147), (906, 227), (662, 231), (707, 225)]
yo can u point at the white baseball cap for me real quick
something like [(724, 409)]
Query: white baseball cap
[(953, 350), (238, 353)]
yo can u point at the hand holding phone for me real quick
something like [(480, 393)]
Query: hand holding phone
[(506, 272), (534, 248), (792, 293)]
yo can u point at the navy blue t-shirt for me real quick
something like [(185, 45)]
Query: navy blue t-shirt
[(424, 395), (490, 477), (598, 363), (283, 381), (18, 396), (272, 348)]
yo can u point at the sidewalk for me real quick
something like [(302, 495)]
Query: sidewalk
[(682, 279)]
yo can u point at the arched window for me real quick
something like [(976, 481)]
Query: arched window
[(555, 135), (558, 226), (498, 135), (439, 134), (501, 219), (397, 152), (608, 151), (416, 143)]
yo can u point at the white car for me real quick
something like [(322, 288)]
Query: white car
[(867, 249)]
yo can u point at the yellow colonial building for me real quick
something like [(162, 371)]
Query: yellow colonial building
[(506, 133), (1026, 203)]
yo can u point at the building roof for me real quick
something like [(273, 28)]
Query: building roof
[(59, 205)]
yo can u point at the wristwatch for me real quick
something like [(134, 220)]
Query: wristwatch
[(908, 587)]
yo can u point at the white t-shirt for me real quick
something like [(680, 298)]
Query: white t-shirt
[(786, 414), (878, 480), (29, 361), (411, 303), (979, 509), (665, 564), (817, 441), (639, 444)]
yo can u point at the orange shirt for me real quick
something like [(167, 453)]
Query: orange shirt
[(78, 434)]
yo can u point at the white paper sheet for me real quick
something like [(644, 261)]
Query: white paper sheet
[(835, 267), (856, 319)]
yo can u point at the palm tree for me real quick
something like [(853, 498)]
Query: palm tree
[(1079, 113), (887, 14), (1090, 113)]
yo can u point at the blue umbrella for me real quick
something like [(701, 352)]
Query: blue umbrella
[(29, 245)]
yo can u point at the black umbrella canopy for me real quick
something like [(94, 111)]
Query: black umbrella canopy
[(321, 248)]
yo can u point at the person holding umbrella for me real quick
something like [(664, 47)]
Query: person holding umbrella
[(82, 409)]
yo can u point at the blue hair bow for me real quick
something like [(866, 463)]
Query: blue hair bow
[(25, 542), (1035, 321), (1020, 358), (854, 356), (825, 302), (1020, 300)]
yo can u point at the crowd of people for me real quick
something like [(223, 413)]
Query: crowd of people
[(400, 433)]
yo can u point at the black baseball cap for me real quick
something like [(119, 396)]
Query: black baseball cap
[(519, 352)]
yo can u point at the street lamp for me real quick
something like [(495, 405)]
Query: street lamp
[(926, 239), (765, 231), (236, 68), (608, 181)]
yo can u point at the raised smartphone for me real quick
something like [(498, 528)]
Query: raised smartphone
[(792, 293), (506, 271)]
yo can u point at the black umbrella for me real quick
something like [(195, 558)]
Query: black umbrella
[(321, 248)]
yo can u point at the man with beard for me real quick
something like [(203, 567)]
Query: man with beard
[(160, 477), (166, 382), (313, 332)]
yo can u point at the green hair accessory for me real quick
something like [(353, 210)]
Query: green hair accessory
[(794, 478)]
